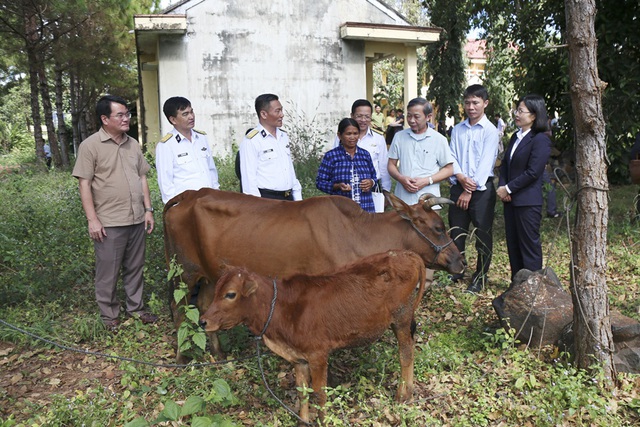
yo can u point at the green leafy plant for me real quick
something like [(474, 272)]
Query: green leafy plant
[(192, 340)]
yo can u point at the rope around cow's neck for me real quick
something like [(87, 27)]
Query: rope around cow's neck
[(273, 305), (437, 248), (258, 339)]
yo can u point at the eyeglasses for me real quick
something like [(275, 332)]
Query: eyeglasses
[(362, 117), (521, 111), (121, 116)]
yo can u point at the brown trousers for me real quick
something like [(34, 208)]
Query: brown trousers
[(122, 249)]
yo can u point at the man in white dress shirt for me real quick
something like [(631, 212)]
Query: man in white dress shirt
[(183, 157), (474, 147)]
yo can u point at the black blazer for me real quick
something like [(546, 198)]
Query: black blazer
[(523, 171)]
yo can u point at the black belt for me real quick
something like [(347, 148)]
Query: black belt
[(489, 181), (266, 192)]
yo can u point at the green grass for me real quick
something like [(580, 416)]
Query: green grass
[(468, 371)]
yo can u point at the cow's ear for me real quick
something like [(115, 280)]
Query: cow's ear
[(398, 205), (249, 287)]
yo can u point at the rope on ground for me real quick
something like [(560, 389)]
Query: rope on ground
[(116, 357), (264, 380)]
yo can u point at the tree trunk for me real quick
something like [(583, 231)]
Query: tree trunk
[(45, 96), (592, 326), (32, 59), (62, 131), (75, 112)]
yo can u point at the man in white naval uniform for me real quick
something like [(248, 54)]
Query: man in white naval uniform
[(266, 167), (183, 157)]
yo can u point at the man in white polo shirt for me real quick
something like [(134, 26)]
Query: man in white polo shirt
[(419, 157)]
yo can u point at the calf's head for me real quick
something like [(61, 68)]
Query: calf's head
[(231, 303), (433, 243)]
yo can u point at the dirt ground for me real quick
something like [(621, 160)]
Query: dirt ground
[(35, 376)]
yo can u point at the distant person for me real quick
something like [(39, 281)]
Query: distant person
[(395, 123), (520, 185), (372, 141), (500, 125), (377, 119), (47, 154), (111, 171), (442, 128), (266, 166), (183, 156), (347, 170), (474, 147), (549, 180), (419, 158)]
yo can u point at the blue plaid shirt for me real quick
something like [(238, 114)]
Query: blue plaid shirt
[(338, 166)]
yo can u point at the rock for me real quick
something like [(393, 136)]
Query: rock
[(536, 306), (626, 341)]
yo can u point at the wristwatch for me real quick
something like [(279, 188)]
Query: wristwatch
[(148, 210), (430, 180)]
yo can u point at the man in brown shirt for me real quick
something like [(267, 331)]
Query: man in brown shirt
[(111, 171)]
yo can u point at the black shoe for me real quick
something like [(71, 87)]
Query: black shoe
[(476, 286), (553, 215), (456, 277), (112, 325)]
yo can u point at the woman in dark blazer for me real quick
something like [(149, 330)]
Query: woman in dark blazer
[(520, 184)]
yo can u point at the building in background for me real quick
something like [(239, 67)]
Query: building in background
[(476, 61), (316, 56)]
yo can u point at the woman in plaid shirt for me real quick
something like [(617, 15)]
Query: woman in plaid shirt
[(348, 170)]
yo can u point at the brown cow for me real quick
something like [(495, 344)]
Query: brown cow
[(207, 229), (314, 315)]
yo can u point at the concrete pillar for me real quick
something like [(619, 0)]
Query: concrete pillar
[(369, 80), (410, 74)]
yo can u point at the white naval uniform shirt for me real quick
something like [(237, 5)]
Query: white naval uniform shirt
[(184, 165), (376, 145), (265, 162)]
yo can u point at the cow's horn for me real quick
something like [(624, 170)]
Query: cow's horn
[(432, 201)]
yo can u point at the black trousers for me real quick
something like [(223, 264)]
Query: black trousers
[(277, 195), (481, 212), (522, 230)]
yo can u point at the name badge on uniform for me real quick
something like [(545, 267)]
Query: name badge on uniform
[(267, 151), (183, 154)]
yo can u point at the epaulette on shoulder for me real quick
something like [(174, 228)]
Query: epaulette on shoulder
[(201, 132), (253, 133), (378, 131), (166, 137)]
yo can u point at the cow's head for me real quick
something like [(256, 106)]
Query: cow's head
[(440, 253), (229, 306)]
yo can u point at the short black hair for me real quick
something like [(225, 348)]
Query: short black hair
[(103, 106), (535, 104), (476, 90), (345, 123), (263, 101), (426, 105), (173, 105), (360, 103)]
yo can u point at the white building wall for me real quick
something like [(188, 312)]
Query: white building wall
[(235, 50)]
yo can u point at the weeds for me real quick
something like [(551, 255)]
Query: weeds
[(468, 371)]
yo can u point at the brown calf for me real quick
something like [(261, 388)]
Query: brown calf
[(315, 315)]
